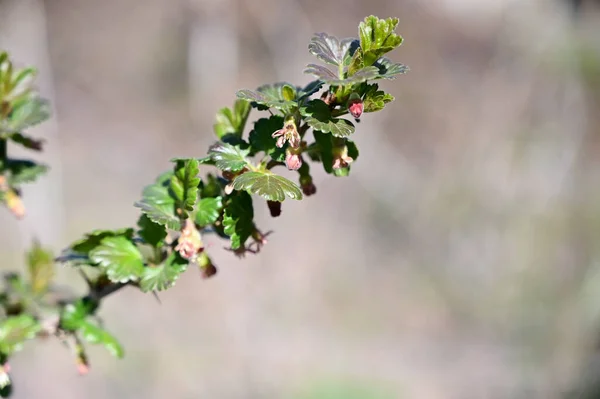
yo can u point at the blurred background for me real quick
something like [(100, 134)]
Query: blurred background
[(459, 260)]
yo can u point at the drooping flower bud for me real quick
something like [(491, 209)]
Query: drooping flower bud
[(308, 187), (189, 244), (274, 208), (355, 105), (207, 268), (288, 133), (341, 158), (293, 161)]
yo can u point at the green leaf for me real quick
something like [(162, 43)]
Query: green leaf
[(208, 211), (210, 187), (96, 335), (232, 121), (21, 171), (261, 138), (40, 264), (184, 183), (228, 157), (271, 96), (238, 218), (309, 90), (27, 113), (329, 77), (377, 37), (15, 330), (375, 100), (318, 116), (152, 233), (268, 185), (331, 50), (25, 141), (75, 317), (121, 259), (162, 277), (158, 204), (325, 145), (78, 252), (389, 70), (74, 314)]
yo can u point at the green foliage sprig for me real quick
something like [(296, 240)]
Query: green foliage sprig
[(180, 207)]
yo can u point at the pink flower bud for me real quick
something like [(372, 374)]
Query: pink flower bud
[(355, 106), (293, 161), (189, 242)]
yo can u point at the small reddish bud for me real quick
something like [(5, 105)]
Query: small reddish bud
[(309, 189), (293, 161), (190, 242), (355, 105), (274, 208)]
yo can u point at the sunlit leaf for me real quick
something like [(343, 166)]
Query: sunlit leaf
[(228, 157), (163, 276), (374, 99), (152, 233), (208, 211), (184, 183), (330, 49), (158, 204), (120, 258), (389, 70), (377, 37), (331, 78), (232, 121), (318, 116), (268, 185), (40, 264), (15, 330)]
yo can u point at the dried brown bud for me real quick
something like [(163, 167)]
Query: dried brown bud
[(274, 208)]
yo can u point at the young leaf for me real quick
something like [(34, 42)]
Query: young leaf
[(15, 330), (318, 116), (121, 259), (261, 138), (330, 49), (309, 90), (238, 218), (159, 206), (23, 171), (377, 37), (208, 211), (184, 183), (389, 70), (25, 141), (96, 335), (74, 314), (162, 277), (331, 78), (271, 96), (268, 185), (152, 233), (78, 252), (27, 113), (40, 264), (232, 121), (228, 157), (375, 100)]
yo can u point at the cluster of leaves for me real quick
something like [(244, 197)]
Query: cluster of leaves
[(20, 108), (180, 206)]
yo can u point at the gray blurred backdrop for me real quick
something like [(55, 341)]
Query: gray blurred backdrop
[(460, 259)]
